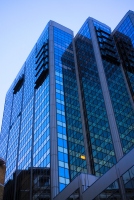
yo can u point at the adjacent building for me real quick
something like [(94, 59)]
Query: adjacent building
[(2, 177), (69, 115)]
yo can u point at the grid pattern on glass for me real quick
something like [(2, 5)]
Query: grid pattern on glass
[(111, 192), (30, 67), (102, 26), (18, 118), (70, 147), (17, 99), (16, 106), (13, 141), (127, 28), (121, 104), (84, 31), (128, 180), (126, 52), (74, 125), (25, 143), (6, 124), (123, 110), (98, 132), (41, 152), (29, 78), (131, 79), (12, 150), (61, 41), (41, 138)]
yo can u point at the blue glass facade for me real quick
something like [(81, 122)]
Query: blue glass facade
[(41, 144), (15, 120), (124, 113), (124, 38), (26, 119), (127, 28), (57, 116), (41, 148), (6, 123), (69, 126), (61, 42), (120, 99), (98, 132)]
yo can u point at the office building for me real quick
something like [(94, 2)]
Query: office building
[(69, 115)]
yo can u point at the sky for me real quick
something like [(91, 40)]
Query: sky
[(22, 21)]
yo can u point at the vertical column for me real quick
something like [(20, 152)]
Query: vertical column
[(108, 104), (89, 170), (53, 130)]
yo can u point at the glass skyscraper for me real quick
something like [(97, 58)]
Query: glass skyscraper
[(70, 112)]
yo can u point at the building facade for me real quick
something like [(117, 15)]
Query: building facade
[(70, 111)]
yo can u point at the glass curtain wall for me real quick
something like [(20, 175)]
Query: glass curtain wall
[(69, 127), (122, 106), (99, 139)]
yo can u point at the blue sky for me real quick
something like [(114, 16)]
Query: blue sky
[(22, 21)]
